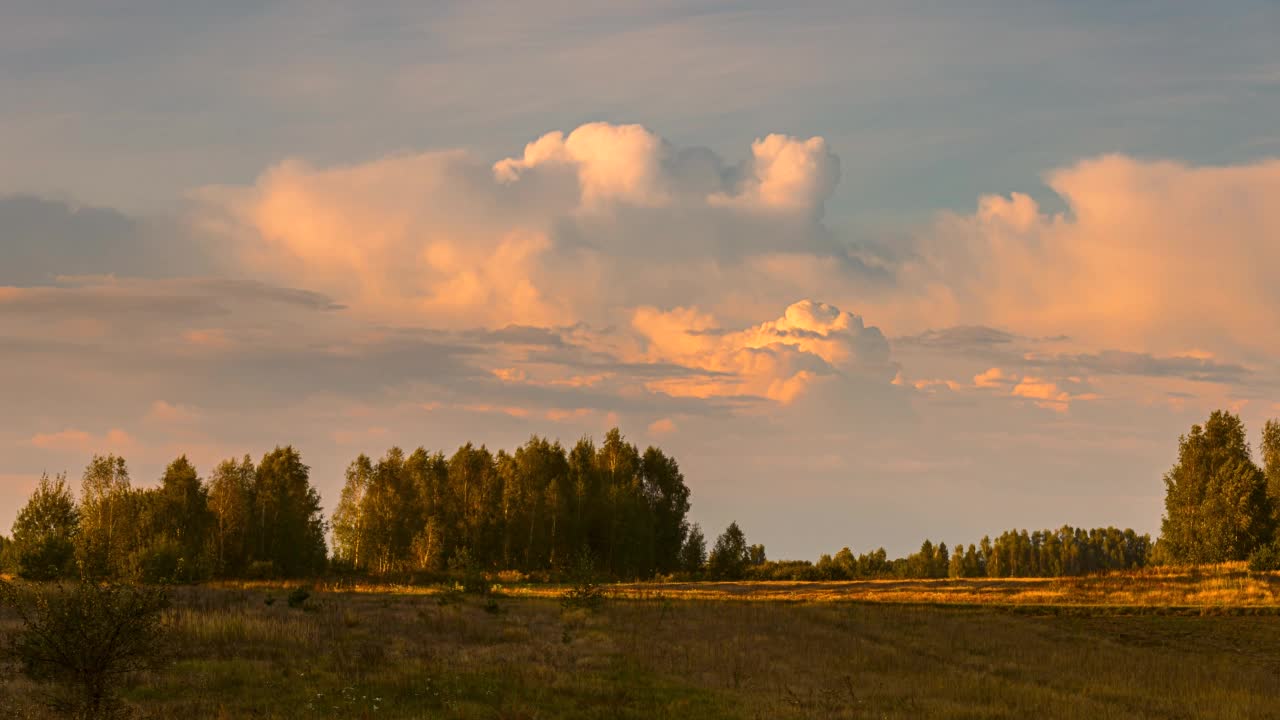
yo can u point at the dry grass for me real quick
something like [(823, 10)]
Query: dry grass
[(1228, 586), (681, 651)]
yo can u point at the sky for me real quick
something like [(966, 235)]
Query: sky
[(872, 272)]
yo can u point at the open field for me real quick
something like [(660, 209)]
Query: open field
[(687, 652)]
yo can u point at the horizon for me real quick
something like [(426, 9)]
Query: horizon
[(870, 276)]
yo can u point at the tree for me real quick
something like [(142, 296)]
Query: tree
[(229, 491), (1271, 461), (288, 529), (730, 556), (104, 521), (182, 518), (348, 517), (1216, 503), (45, 531), (693, 554), (85, 639)]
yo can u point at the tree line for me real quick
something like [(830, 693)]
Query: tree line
[(244, 520), (542, 508), (1014, 553), (533, 509)]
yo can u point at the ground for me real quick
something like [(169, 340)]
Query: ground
[(1001, 650)]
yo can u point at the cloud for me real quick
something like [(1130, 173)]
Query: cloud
[(42, 239), (172, 413), (1149, 257), (573, 230), (776, 359), (662, 426), (115, 440)]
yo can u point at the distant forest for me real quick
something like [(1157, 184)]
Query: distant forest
[(543, 509)]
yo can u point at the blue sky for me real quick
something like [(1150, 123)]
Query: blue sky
[(195, 196)]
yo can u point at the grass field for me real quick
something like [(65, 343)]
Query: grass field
[(1157, 645)]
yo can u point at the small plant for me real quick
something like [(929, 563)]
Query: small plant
[(449, 595), (586, 593), (1265, 559), (269, 600), (468, 573), (85, 639), (298, 597)]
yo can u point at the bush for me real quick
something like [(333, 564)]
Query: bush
[(586, 593), (49, 558), (298, 597), (1265, 559), (84, 640), (467, 573), (261, 570)]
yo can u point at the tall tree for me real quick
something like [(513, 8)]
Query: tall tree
[(1271, 461), (693, 555), (288, 529), (104, 521), (45, 531), (183, 517), (349, 530), (1216, 503), (229, 493), (729, 557)]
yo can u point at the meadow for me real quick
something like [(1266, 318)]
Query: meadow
[(1149, 644)]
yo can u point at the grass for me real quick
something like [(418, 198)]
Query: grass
[(935, 649)]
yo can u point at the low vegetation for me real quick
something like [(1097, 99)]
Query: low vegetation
[(979, 649), (509, 602)]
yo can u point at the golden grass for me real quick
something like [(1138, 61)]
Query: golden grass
[(1221, 586), (873, 649), (403, 654)]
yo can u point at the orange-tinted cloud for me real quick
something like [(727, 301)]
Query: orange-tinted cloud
[(1152, 256), (776, 359), (115, 440)]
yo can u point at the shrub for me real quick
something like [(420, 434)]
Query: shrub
[(1265, 559), (298, 597), (467, 573), (49, 558), (261, 570), (85, 640), (586, 592)]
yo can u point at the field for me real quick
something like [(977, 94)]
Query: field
[(1157, 645)]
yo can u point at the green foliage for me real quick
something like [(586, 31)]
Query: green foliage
[(528, 510), (1270, 450), (1216, 502), (586, 592), (1266, 558), (286, 526), (85, 640), (45, 531), (298, 597), (693, 555), (730, 556), (467, 573)]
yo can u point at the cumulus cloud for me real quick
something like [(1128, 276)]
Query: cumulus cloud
[(1149, 257), (776, 359), (577, 228), (114, 440)]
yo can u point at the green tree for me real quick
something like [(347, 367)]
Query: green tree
[(693, 554), (229, 492), (45, 531), (1216, 503), (104, 516), (288, 529), (183, 519), (1271, 461), (348, 517), (729, 557)]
